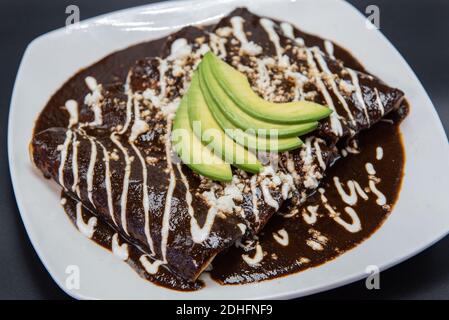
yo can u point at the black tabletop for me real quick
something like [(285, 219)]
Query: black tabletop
[(420, 31)]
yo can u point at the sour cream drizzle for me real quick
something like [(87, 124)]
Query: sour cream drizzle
[(93, 100), (124, 196), (331, 82), (268, 25), (256, 259), (281, 237), (86, 229), (381, 200), (199, 234), (116, 141), (253, 185), (354, 189), (355, 225), (120, 250), (318, 153), (336, 126), (370, 169), (72, 109), (139, 127), (107, 179), (218, 45), (379, 102), (358, 93), (291, 168), (90, 170), (379, 153), (75, 145), (64, 148), (310, 214), (267, 195), (171, 187), (329, 47), (150, 267), (288, 31), (247, 47)]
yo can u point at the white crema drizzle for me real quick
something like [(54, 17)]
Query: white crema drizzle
[(353, 227), (88, 229), (93, 100), (120, 250), (72, 108), (171, 187), (199, 234), (255, 199), (379, 153), (256, 258), (281, 237), (150, 267), (379, 102), (91, 171), (268, 25), (107, 179), (358, 93), (247, 47), (336, 126), (139, 127), (310, 214), (370, 169), (381, 199), (354, 190), (329, 47), (125, 187), (64, 148), (288, 31), (75, 145), (331, 82)]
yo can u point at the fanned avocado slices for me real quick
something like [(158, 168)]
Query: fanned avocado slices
[(192, 152), (206, 128), (237, 87), (238, 135), (221, 121), (243, 120)]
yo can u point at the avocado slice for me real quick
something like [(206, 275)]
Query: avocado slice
[(238, 135), (192, 152), (237, 87), (243, 120), (206, 128)]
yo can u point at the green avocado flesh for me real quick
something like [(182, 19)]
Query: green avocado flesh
[(221, 122), (243, 120), (211, 134), (237, 87), (238, 135), (192, 152)]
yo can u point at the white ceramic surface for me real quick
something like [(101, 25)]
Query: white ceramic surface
[(420, 217)]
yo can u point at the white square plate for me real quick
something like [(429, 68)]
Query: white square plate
[(420, 217)]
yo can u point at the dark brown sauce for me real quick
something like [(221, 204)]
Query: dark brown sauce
[(229, 267)]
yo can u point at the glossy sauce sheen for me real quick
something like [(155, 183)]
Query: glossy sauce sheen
[(278, 259)]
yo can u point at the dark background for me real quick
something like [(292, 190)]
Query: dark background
[(418, 28)]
